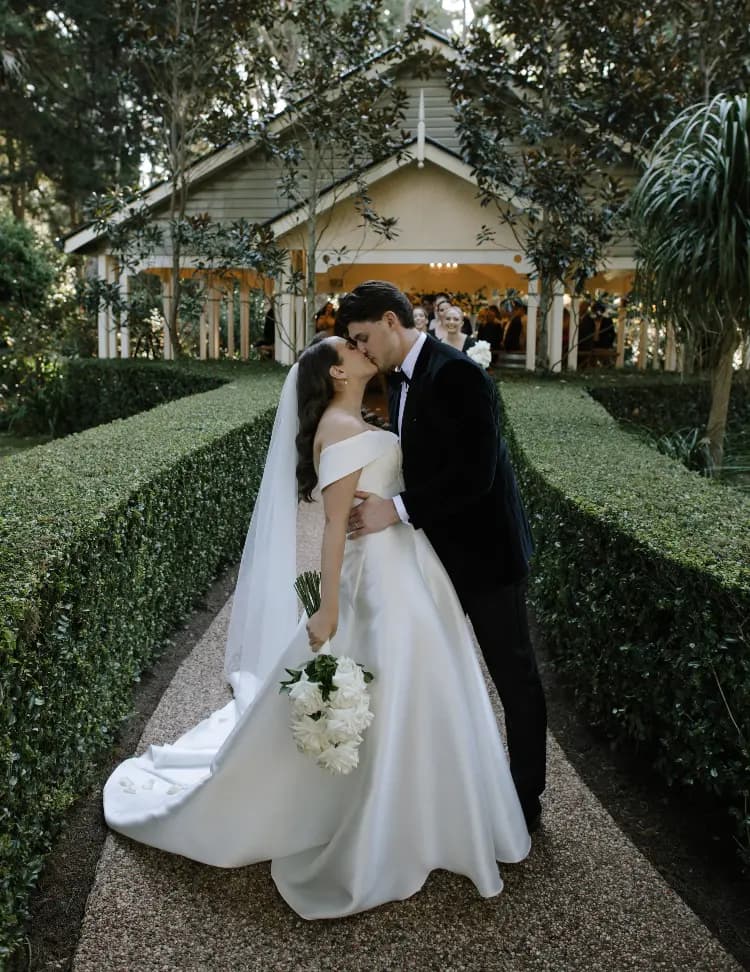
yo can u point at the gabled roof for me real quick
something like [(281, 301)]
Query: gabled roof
[(216, 160), (434, 152)]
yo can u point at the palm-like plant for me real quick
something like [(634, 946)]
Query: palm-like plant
[(691, 219)]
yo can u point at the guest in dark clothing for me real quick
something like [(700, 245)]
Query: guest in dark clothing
[(604, 328), (595, 330), (490, 328), (441, 303), (586, 333), (454, 334), (514, 330)]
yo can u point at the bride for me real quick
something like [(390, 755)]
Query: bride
[(433, 788)]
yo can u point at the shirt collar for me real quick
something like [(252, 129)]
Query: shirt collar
[(407, 365)]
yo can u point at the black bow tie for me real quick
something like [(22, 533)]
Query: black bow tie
[(399, 378)]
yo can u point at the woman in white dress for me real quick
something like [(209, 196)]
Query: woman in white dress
[(433, 787)]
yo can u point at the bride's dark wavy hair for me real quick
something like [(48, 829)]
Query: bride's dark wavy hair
[(314, 392)]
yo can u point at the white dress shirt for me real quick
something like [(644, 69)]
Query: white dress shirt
[(407, 367)]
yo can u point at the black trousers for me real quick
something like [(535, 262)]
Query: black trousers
[(501, 625)]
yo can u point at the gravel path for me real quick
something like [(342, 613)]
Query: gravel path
[(585, 899)]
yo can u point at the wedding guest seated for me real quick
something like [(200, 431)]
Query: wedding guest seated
[(453, 319)]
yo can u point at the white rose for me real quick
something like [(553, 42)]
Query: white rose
[(310, 735), (340, 759), (364, 717), (343, 725), (306, 696), (481, 353), (347, 665), (353, 679)]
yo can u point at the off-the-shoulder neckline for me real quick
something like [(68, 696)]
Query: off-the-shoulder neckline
[(355, 436)]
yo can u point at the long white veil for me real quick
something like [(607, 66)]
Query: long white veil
[(264, 612)]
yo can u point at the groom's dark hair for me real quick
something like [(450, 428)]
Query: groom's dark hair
[(369, 301)]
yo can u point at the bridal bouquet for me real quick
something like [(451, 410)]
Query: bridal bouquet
[(481, 353), (330, 701)]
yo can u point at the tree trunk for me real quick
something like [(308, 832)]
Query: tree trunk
[(310, 279), (721, 387), (542, 324)]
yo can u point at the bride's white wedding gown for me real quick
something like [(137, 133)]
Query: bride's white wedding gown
[(433, 788)]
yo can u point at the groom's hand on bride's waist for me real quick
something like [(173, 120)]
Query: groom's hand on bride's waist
[(373, 514)]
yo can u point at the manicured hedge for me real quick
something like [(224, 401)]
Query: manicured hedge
[(641, 582), (58, 396), (107, 538), (685, 405)]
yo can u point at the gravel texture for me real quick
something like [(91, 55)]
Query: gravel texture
[(585, 899)]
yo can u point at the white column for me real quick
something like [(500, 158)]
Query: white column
[(230, 319), (532, 310), (244, 321), (125, 281), (643, 345), (622, 316), (670, 354), (746, 362), (102, 314), (112, 322), (214, 319), (656, 360), (286, 337), (167, 295), (300, 323), (554, 339), (203, 327), (575, 308)]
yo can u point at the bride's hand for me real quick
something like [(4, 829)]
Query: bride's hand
[(320, 628)]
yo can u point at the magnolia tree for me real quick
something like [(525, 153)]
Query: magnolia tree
[(541, 170), (195, 58), (338, 118), (691, 217), (214, 248)]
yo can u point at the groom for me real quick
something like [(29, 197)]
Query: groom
[(461, 490)]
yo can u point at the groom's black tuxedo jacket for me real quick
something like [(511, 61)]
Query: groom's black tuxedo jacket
[(459, 484)]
